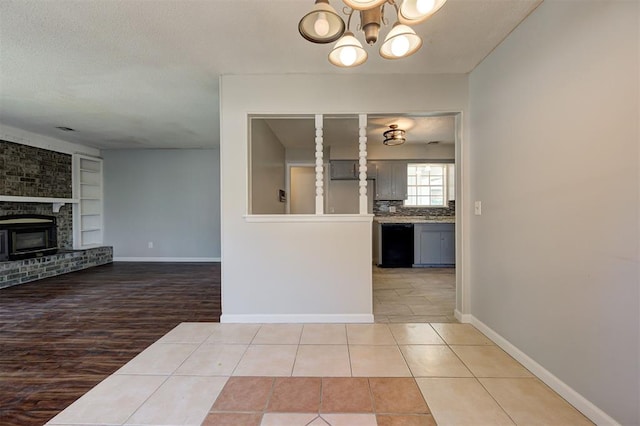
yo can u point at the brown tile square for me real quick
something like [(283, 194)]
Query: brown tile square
[(346, 395), (244, 394), (405, 420), (295, 395), (397, 395), (233, 419)]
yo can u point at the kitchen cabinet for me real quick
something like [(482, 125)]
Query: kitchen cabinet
[(350, 170), (434, 244), (391, 180)]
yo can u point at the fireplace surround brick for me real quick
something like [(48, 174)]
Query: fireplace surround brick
[(27, 171), (22, 271)]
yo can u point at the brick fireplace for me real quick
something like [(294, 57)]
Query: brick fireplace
[(27, 171)]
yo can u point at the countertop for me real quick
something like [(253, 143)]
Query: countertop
[(414, 219)]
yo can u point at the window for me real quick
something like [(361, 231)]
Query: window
[(426, 185)]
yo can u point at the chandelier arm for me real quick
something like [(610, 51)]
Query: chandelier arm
[(349, 19), (384, 21)]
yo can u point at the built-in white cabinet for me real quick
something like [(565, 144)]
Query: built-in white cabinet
[(391, 180), (434, 244), (88, 211)]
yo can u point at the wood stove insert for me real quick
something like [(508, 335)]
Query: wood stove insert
[(26, 236)]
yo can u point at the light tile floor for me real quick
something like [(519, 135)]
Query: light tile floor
[(410, 295), (321, 374)]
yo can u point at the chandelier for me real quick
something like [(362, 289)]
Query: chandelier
[(324, 25), (394, 136)]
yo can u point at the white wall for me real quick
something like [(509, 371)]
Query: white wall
[(554, 155), (305, 271), (267, 170), (168, 197)]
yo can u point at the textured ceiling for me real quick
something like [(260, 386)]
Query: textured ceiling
[(144, 74)]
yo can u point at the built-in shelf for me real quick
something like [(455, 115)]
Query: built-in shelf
[(87, 214)]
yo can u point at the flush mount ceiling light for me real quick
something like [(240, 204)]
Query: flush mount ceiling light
[(324, 25), (394, 136)]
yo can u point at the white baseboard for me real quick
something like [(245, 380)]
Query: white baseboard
[(585, 406), (463, 318), (297, 318), (167, 259)]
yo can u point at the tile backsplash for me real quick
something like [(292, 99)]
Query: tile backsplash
[(381, 208)]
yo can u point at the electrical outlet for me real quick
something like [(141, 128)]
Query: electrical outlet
[(150, 245), (392, 209)]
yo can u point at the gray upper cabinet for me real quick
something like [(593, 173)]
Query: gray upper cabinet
[(391, 181), (350, 170), (344, 169), (434, 244)]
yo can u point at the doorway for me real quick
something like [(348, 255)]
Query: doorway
[(302, 189)]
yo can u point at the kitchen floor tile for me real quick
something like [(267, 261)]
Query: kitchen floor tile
[(322, 360), (244, 394), (461, 334), (414, 295), (430, 309), (531, 402), (377, 361), (415, 334), (434, 361), (111, 401), (490, 361), (405, 420), (189, 332), (418, 318), (369, 334), (181, 400), (212, 360), (324, 334), (287, 419), (386, 308), (295, 395), (233, 419), (346, 395), (267, 360), (159, 359), (397, 395), (460, 402), (278, 334), (233, 333), (350, 419)]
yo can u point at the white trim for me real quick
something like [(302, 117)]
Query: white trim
[(18, 199), (167, 259), (291, 218), (23, 137), (585, 406), (463, 318), (296, 318)]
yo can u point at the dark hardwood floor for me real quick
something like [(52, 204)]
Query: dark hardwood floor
[(61, 336)]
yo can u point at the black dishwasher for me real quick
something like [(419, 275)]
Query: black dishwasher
[(397, 245)]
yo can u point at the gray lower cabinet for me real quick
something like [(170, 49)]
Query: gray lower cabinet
[(434, 244)]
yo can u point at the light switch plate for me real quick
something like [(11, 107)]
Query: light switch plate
[(478, 208)]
